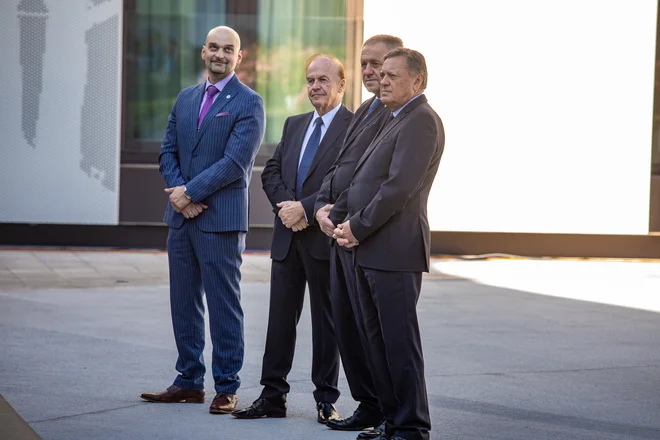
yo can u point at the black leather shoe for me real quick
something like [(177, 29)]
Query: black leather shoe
[(359, 421), (326, 412), (261, 408), (376, 433)]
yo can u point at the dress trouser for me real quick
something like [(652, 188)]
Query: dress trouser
[(287, 292), (347, 317), (388, 302), (206, 263)]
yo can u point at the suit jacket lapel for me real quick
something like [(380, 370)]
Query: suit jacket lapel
[(224, 96), (196, 106), (370, 119), (372, 146), (357, 117), (331, 135), (397, 120), (361, 124), (361, 121)]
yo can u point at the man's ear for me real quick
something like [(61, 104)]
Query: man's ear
[(342, 85), (417, 84)]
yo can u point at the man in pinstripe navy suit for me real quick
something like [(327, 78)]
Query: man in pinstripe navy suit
[(213, 135), (300, 251)]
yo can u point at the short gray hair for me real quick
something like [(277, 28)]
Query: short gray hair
[(390, 41)]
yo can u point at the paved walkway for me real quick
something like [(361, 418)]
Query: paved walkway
[(38, 269), (515, 350)]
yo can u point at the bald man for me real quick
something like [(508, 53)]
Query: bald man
[(213, 135), (300, 251)]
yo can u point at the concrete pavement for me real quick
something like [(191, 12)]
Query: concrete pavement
[(84, 333)]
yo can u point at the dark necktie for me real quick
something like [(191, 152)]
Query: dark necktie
[(210, 93), (308, 156)]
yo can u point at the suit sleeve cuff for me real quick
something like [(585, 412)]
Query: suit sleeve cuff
[(359, 232)]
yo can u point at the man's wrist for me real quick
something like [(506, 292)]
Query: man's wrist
[(186, 194)]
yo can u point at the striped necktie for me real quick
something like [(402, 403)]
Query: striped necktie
[(308, 156)]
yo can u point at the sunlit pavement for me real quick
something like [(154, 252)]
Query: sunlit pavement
[(631, 283), (509, 353)]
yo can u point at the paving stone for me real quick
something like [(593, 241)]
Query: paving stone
[(91, 282), (58, 256), (77, 273), (34, 273), (11, 284), (45, 283), (5, 273)]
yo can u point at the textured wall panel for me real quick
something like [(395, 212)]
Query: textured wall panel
[(60, 111)]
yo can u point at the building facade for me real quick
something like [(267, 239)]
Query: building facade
[(550, 111)]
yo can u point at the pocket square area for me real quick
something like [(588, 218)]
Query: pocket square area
[(222, 114)]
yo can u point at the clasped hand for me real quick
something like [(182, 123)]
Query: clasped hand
[(344, 235), (181, 203), (323, 218), (292, 215)]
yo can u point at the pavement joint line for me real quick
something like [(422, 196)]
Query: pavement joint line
[(74, 254), (54, 419), (513, 373)]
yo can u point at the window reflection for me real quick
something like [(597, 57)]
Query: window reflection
[(163, 39)]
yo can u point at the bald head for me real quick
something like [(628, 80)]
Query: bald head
[(224, 31), (221, 53), (325, 82)]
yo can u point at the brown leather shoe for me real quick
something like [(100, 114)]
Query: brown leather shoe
[(223, 403), (175, 394)]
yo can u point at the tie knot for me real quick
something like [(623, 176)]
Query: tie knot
[(318, 122), (212, 90)]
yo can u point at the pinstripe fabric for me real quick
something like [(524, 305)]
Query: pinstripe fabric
[(211, 260), (215, 163)]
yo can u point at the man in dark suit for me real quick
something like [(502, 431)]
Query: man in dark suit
[(214, 132), (331, 210), (300, 250), (389, 231)]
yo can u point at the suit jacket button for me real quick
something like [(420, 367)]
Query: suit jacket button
[(187, 177), (194, 155)]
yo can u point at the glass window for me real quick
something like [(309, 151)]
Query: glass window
[(163, 39)]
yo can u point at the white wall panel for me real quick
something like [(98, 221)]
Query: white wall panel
[(547, 108), (60, 111)]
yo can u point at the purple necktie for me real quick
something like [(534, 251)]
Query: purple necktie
[(210, 93)]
